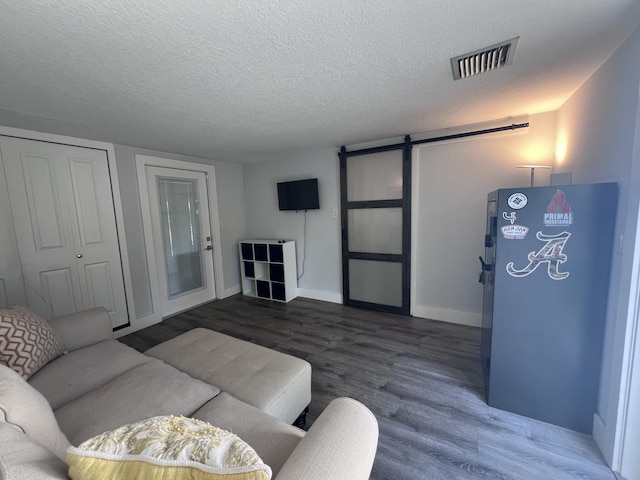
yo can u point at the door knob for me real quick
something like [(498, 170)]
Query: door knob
[(209, 247), (79, 255)]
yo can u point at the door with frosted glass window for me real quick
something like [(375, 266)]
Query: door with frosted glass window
[(182, 237), (376, 233)]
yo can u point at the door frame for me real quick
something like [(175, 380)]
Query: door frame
[(143, 161), (109, 149), (207, 290)]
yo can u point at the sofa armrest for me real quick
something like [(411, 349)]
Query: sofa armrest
[(340, 445), (83, 328), (23, 457)]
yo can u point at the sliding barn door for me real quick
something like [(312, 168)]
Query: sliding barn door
[(65, 225), (376, 230)]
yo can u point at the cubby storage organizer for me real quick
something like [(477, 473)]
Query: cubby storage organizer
[(268, 269)]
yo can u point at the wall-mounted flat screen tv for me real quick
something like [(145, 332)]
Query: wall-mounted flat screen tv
[(298, 195)]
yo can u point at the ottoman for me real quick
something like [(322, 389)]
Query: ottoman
[(274, 382)]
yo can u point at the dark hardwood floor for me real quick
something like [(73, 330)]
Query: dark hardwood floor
[(421, 378)]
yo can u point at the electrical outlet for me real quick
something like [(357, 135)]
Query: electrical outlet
[(221, 225), (335, 213)]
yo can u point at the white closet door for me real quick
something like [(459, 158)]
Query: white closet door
[(65, 225)]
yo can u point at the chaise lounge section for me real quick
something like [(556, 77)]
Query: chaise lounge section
[(276, 383), (100, 384)]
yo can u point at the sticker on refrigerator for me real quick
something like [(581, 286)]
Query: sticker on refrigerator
[(550, 253), (558, 212), (514, 232), (510, 217), (517, 200)]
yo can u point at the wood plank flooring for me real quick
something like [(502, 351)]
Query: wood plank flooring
[(421, 378)]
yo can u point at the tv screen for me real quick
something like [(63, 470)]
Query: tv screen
[(298, 195)]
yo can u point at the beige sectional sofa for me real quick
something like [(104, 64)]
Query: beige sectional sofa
[(101, 384)]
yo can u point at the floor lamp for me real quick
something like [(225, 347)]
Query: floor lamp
[(533, 169)]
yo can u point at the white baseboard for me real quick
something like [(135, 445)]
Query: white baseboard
[(445, 315), (139, 324), (227, 292), (320, 295), (600, 437)]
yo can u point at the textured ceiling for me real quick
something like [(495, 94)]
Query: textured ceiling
[(242, 80)]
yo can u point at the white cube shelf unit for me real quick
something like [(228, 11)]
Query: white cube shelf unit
[(269, 269)]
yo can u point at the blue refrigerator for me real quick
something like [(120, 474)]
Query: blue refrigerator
[(546, 279)]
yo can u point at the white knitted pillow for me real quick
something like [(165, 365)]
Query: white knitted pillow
[(166, 448)]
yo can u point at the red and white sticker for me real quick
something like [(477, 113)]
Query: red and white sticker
[(558, 212)]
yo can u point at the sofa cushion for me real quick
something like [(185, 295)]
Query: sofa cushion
[(166, 447), (151, 389), (24, 458), (26, 341), (24, 408), (273, 439), (274, 382), (81, 371)]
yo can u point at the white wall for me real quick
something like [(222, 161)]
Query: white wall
[(451, 182), (231, 208), (596, 131), (323, 265)]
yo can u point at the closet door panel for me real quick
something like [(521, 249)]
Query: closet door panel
[(64, 221), (42, 227), (87, 202), (11, 281), (42, 204), (99, 283), (58, 287), (95, 231)]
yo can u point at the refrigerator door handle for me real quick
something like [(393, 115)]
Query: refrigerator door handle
[(485, 268)]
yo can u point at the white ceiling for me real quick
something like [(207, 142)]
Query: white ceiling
[(241, 80)]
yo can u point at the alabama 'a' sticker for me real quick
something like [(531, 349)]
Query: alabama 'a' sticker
[(551, 253)]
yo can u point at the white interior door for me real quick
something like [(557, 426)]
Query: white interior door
[(182, 241), (65, 225)]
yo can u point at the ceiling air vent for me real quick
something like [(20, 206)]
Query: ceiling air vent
[(484, 60)]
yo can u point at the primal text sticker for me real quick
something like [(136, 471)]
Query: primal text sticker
[(559, 212)]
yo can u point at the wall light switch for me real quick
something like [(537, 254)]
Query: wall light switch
[(335, 213)]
